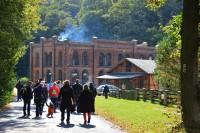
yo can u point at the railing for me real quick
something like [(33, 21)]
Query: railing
[(165, 97)]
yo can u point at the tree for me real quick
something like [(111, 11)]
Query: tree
[(189, 66), (19, 19), (168, 55)]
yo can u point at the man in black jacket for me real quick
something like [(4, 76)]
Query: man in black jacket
[(39, 98), (77, 88), (27, 95), (66, 97)]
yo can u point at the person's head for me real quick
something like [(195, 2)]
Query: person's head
[(54, 84), (58, 82), (85, 87), (91, 85), (29, 82), (77, 81), (66, 83)]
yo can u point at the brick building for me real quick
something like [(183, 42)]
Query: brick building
[(58, 60)]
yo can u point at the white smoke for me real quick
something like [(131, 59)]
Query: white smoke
[(74, 33)]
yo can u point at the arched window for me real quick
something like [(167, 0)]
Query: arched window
[(48, 59), (60, 58), (85, 75), (120, 57), (108, 59), (74, 76), (60, 75), (101, 72), (101, 59), (85, 59), (75, 58), (37, 75), (37, 60), (49, 75)]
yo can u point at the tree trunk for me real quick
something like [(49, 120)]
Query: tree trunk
[(189, 67)]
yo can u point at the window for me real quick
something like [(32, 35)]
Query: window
[(37, 75), (37, 60), (48, 59), (101, 59), (85, 58), (60, 75), (60, 58), (108, 59), (85, 76), (74, 76), (49, 75), (120, 57), (75, 58)]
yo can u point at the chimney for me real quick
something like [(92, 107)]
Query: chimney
[(134, 41), (55, 38), (42, 39), (145, 44)]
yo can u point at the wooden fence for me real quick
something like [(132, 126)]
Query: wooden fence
[(165, 97)]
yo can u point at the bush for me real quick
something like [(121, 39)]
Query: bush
[(129, 94)]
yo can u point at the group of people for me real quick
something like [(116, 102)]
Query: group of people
[(70, 98)]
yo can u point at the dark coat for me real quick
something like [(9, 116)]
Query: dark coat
[(26, 93), (66, 96), (86, 102), (77, 88), (93, 90), (39, 95)]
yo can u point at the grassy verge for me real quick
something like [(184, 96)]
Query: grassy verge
[(137, 116)]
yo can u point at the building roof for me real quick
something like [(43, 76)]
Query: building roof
[(146, 65), (121, 75)]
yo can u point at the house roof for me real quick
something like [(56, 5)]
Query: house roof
[(146, 65), (121, 75)]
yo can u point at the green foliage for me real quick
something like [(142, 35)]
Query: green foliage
[(125, 19), (168, 55), (24, 80), (19, 19)]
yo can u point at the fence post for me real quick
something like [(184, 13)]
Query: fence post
[(138, 94), (152, 96), (165, 102), (144, 94)]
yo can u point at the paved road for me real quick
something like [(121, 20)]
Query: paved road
[(10, 122)]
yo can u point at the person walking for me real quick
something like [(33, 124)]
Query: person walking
[(53, 94), (94, 91), (66, 98), (77, 88), (106, 91), (86, 104), (39, 98), (19, 86), (27, 95)]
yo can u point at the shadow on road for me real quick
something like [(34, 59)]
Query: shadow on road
[(87, 125), (63, 125)]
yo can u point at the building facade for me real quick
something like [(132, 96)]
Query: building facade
[(52, 60), (132, 73)]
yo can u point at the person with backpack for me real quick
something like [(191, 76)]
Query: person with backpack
[(26, 93), (39, 98)]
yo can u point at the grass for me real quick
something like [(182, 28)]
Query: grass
[(136, 116)]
